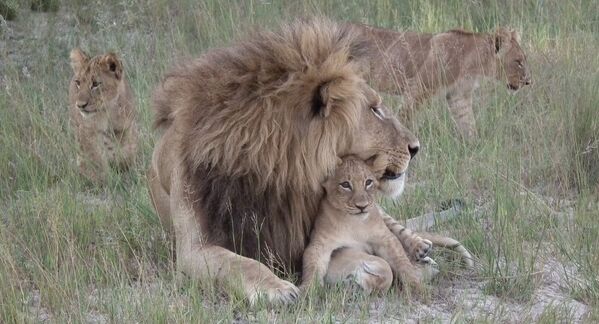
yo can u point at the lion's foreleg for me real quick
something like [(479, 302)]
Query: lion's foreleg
[(449, 243), (416, 247), (203, 261)]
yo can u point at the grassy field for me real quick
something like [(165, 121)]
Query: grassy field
[(70, 252)]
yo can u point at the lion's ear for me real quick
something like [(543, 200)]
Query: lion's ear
[(322, 102), (516, 36), (78, 59), (113, 65), (503, 37)]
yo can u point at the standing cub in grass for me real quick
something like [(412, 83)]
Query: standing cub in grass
[(350, 218), (420, 65), (102, 111)]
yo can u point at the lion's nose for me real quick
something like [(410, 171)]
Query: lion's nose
[(81, 104), (528, 81), (413, 148)]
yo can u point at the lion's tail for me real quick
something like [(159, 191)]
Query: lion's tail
[(449, 243)]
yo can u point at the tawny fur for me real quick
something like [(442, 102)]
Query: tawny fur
[(349, 218), (248, 134), (420, 65), (418, 244), (102, 111)]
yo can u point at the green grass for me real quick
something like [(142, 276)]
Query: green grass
[(100, 252)]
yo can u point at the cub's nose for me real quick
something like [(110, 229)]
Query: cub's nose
[(362, 206), (528, 81), (413, 148), (81, 104)]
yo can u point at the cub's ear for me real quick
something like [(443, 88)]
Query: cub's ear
[(111, 64), (503, 37), (78, 59), (324, 97)]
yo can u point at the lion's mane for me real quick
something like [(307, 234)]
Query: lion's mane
[(260, 126)]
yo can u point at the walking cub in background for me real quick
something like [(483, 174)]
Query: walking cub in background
[(349, 217), (420, 65), (102, 111)]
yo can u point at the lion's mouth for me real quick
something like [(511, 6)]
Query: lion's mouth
[(513, 87), (87, 112), (391, 174)]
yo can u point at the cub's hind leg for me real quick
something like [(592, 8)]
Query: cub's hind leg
[(389, 248), (370, 272)]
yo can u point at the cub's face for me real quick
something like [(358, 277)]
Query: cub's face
[(513, 66), (95, 81), (352, 188)]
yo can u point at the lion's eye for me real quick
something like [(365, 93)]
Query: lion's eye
[(520, 65), (95, 84), (77, 83), (378, 112), (345, 185), (369, 183)]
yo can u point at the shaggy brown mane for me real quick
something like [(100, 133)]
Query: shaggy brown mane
[(261, 124), (462, 32)]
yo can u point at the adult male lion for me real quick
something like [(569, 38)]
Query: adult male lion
[(249, 133), (419, 65)]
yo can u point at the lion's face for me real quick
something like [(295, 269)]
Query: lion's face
[(384, 140), (95, 82), (512, 67), (352, 187)]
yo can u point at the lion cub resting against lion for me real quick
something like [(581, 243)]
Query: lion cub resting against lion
[(102, 111), (350, 218)]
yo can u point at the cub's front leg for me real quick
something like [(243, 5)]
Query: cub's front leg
[(315, 264), (91, 161)]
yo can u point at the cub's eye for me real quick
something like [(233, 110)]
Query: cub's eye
[(77, 83), (378, 112), (369, 183), (345, 185), (520, 64), (95, 84)]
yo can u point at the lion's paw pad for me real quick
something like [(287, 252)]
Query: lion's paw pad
[(421, 249), (283, 292)]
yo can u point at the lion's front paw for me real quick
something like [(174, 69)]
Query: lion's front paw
[(420, 248), (430, 268), (275, 292)]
